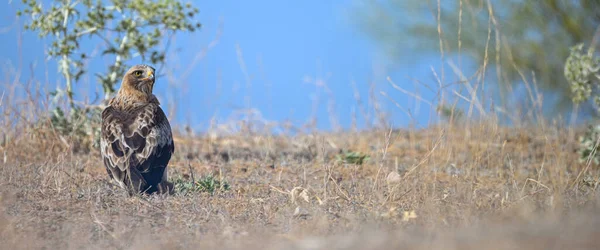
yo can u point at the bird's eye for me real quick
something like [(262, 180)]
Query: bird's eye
[(137, 73)]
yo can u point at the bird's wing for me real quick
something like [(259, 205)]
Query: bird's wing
[(114, 153), (136, 139)]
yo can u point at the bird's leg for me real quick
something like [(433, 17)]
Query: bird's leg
[(165, 187), (136, 181)]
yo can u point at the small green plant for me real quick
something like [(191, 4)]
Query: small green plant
[(206, 183), (588, 145), (351, 157)]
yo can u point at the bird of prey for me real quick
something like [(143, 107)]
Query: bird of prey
[(137, 142)]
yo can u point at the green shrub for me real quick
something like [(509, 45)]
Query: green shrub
[(582, 71), (138, 27)]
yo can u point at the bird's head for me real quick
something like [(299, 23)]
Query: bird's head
[(139, 80)]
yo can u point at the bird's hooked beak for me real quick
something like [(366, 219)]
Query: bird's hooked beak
[(151, 75)]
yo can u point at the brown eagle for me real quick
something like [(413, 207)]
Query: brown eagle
[(137, 142)]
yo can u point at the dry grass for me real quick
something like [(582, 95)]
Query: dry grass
[(444, 187)]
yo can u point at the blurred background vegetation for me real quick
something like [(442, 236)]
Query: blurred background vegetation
[(523, 40)]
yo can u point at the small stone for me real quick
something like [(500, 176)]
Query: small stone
[(393, 178)]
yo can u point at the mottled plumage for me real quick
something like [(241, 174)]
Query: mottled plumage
[(137, 142)]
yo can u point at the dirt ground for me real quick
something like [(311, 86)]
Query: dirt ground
[(470, 186)]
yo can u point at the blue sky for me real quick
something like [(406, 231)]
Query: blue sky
[(285, 46)]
